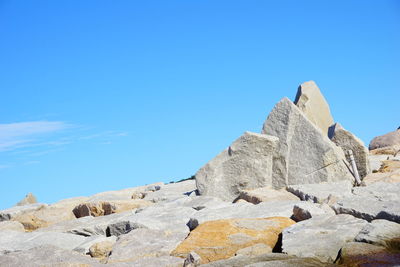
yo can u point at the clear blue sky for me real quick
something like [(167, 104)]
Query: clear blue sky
[(104, 95)]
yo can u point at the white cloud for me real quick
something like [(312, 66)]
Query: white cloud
[(21, 134)]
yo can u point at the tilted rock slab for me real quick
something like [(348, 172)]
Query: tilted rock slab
[(380, 232), (265, 194), (321, 237), (376, 201), (246, 164), (305, 155), (314, 106), (348, 141), (221, 239), (386, 140)]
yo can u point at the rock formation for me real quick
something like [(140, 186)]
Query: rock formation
[(280, 198), (246, 164), (387, 140), (305, 155), (314, 106), (348, 141), (28, 199)]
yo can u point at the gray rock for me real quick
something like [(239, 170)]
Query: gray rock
[(46, 256), (306, 210), (323, 192), (314, 106), (11, 226), (265, 194), (246, 164), (142, 244), (305, 155), (348, 141), (376, 201), (11, 213), (270, 259), (332, 232), (170, 192), (192, 260), (15, 241), (244, 210), (379, 232), (387, 140), (28, 199)]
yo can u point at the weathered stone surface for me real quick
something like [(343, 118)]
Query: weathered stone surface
[(47, 256), (362, 254), (265, 194), (348, 141), (30, 221), (323, 192), (331, 233), (245, 164), (84, 247), (216, 240), (386, 140), (192, 260), (305, 155), (142, 244), (28, 199), (243, 210), (379, 232), (268, 260), (306, 210), (103, 208), (14, 241), (11, 226), (8, 214), (101, 249), (314, 106), (170, 192), (375, 201)]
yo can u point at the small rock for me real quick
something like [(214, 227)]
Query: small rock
[(28, 199), (192, 260), (306, 210), (101, 249), (265, 194)]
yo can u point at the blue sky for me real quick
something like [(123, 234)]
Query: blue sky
[(104, 95)]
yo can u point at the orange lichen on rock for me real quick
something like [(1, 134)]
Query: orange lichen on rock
[(221, 239)]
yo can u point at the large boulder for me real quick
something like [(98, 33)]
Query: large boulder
[(305, 155), (321, 237), (246, 164), (387, 140), (222, 239), (314, 106), (348, 141)]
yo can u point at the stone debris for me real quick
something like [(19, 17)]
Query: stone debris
[(285, 197)]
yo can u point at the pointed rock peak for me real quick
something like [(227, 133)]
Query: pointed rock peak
[(28, 199), (310, 100)]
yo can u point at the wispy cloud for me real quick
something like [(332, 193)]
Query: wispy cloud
[(21, 134)]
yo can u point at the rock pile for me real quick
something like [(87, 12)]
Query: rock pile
[(282, 197)]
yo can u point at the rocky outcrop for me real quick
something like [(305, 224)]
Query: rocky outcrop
[(11, 226), (380, 232), (265, 194), (222, 239), (305, 155), (314, 106), (388, 140), (28, 199), (362, 254), (324, 236), (348, 141), (246, 164)]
